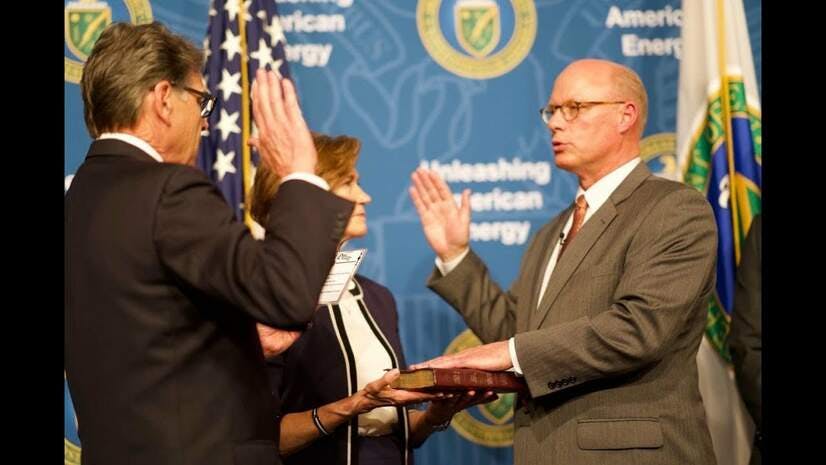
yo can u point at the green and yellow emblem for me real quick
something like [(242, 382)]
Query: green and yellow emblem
[(71, 453), (659, 152), (739, 194), (84, 21), (477, 26), (71, 443), (498, 430)]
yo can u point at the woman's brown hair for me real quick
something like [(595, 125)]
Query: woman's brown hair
[(336, 161)]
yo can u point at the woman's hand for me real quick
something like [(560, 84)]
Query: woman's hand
[(442, 410), (378, 393)]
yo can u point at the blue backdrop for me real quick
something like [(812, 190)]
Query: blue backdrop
[(455, 85)]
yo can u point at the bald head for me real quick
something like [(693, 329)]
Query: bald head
[(620, 82), (603, 110)]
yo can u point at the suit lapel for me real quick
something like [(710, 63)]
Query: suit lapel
[(570, 260), (585, 240)]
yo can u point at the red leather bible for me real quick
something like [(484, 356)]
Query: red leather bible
[(458, 379)]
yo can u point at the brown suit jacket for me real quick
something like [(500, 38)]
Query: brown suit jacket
[(609, 354)]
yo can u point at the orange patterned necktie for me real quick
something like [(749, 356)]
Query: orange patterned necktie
[(579, 218)]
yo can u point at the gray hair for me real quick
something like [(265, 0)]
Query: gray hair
[(126, 62)]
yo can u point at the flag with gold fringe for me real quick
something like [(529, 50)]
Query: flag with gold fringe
[(719, 149)]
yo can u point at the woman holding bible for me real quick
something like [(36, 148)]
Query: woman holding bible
[(333, 381)]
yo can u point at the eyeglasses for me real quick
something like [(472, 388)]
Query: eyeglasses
[(570, 110), (205, 100)]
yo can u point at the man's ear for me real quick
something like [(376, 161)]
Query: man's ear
[(629, 116), (160, 101)]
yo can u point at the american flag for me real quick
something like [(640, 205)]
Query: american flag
[(242, 36)]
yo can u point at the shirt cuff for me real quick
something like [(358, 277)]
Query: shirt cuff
[(512, 349), (309, 177), (448, 266)]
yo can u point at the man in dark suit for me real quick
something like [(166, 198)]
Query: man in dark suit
[(606, 315), (746, 336), (162, 285)]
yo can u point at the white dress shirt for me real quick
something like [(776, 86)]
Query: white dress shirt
[(372, 359)]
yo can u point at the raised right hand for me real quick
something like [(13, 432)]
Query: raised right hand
[(446, 226), (284, 140)]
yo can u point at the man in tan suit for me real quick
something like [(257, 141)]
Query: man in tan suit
[(606, 315)]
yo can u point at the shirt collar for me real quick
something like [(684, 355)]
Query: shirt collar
[(132, 140), (598, 193)]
